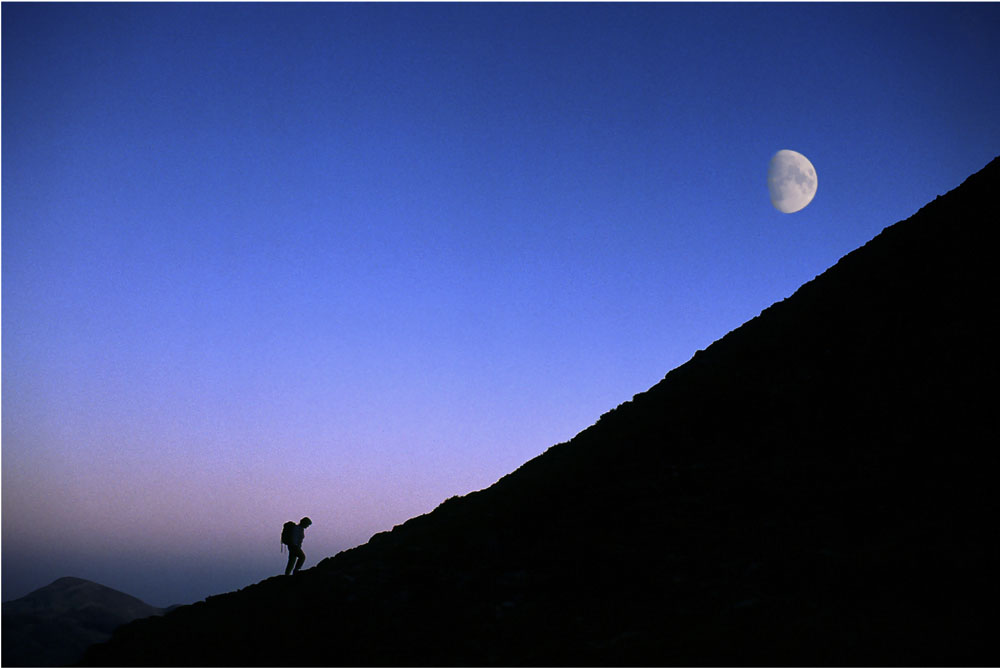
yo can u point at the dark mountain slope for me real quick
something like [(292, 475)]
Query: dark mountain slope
[(814, 488), (52, 626)]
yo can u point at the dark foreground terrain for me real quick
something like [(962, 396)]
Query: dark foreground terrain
[(817, 487)]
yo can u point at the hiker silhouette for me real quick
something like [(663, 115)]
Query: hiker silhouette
[(292, 535)]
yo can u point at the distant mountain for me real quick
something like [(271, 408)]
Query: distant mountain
[(52, 626), (818, 487)]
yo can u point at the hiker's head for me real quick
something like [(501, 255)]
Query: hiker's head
[(305, 521)]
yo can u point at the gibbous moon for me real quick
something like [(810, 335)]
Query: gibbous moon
[(791, 178)]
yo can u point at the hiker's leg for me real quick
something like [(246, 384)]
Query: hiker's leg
[(301, 559), (291, 559)]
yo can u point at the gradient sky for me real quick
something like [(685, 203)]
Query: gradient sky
[(262, 261)]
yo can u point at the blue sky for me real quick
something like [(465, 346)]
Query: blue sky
[(262, 261)]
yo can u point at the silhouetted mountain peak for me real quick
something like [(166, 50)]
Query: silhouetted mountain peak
[(72, 594), (816, 487), (55, 623)]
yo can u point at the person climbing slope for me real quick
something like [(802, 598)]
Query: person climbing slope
[(292, 535)]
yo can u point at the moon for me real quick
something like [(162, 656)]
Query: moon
[(791, 178)]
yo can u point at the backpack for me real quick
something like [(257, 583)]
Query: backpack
[(286, 534)]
